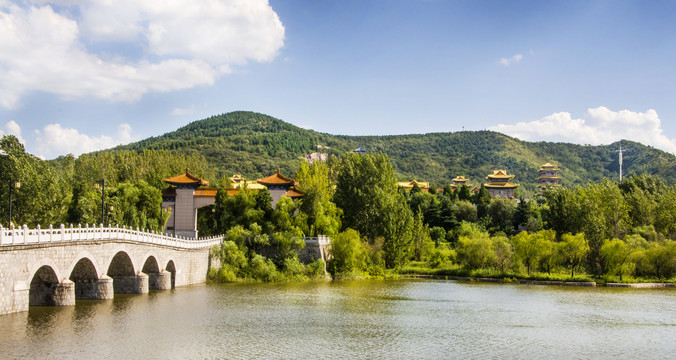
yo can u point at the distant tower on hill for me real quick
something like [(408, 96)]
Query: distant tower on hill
[(549, 176)]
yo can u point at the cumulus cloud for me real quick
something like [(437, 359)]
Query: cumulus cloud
[(511, 60), (12, 128), (161, 45), (55, 140), (600, 126)]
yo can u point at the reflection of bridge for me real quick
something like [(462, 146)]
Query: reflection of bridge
[(56, 266)]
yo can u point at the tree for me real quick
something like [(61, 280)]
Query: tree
[(464, 193), (475, 252), (367, 193), (501, 212), (573, 250), (482, 200), (616, 255), (323, 216), (422, 243), (348, 253), (365, 190), (465, 211), (529, 248), (503, 251)]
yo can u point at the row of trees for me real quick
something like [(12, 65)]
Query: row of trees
[(374, 225)]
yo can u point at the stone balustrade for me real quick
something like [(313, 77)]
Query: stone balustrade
[(26, 236)]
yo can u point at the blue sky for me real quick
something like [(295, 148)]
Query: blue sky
[(77, 78)]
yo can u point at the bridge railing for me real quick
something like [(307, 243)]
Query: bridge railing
[(321, 239), (26, 236)]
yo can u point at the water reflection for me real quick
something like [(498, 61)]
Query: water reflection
[(359, 319)]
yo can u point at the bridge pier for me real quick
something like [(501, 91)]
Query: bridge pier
[(159, 281), (131, 284), (52, 294), (99, 289)]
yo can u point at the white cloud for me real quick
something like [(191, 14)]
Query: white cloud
[(160, 45), (183, 111), (12, 128), (512, 60), (55, 140), (600, 126)]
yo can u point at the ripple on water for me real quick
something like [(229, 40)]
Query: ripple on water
[(360, 319)]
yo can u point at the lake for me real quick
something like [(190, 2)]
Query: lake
[(393, 319)]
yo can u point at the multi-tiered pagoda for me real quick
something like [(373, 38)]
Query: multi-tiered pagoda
[(549, 176), (499, 185)]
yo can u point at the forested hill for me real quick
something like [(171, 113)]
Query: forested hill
[(255, 145)]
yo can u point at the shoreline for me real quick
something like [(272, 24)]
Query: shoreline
[(542, 282)]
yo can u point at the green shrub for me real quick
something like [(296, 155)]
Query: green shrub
[(262, 269)]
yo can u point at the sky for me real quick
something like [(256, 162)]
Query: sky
[(79, 76)]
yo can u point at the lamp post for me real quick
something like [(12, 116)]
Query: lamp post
[(103, 198), (13, 184)]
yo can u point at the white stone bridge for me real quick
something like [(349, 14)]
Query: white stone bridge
[(56, 266)]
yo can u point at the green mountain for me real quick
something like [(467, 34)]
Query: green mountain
[(255, 145)]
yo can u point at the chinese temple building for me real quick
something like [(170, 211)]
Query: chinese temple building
[(279, 185), (459, 181), (237, 181), (408, 185), (499, 185), (549, 176), (183, 199)]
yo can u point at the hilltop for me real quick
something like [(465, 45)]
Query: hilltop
[(255, 145)]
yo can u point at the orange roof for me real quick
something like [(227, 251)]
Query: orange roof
[(232, 192), (549, 166), (276, 179), (293, 193), (186, 179), (206, 192), (499, 174), (505, 185)]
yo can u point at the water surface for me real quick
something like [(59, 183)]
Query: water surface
[(401, 319)]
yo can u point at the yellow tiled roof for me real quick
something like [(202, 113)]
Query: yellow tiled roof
[(186, 179)]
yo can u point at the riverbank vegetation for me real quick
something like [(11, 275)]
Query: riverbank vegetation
[(604, 230)]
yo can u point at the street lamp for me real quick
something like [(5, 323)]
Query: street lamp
[(103, 198), (13, 184)]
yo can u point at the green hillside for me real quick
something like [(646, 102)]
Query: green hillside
[(255, 145)]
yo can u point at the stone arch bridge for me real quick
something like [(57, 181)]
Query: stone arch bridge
[(56, 266)]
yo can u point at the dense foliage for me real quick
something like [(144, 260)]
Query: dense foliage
[(591, 226), (255, 145)]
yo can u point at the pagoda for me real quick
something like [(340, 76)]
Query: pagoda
[(279, 185), (183, 199), (459, 181), (499, 185), (549, 176)]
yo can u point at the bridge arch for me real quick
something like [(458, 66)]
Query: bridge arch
[(150, 264), (82, 255), (44, 262), (46, 289), (125, 279), (88, 285), (158, 279), (171, 268), (120, 265)]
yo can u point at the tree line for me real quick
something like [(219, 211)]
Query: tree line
[(602, 229)]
